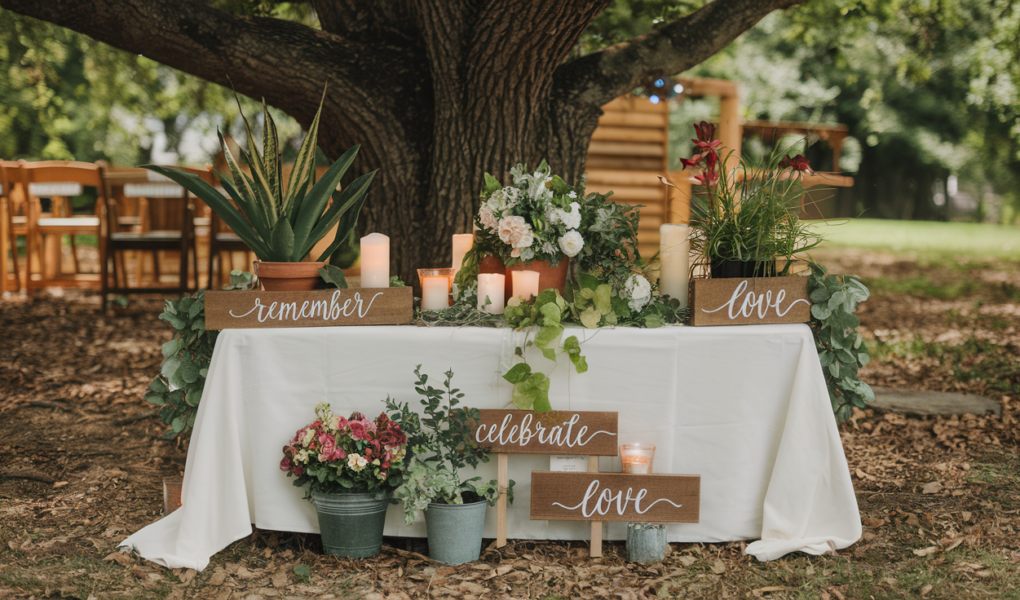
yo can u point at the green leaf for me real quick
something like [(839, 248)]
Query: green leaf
[(547, 335), (303, 572), (518, 373), (551, 311), (834, 368), (653, 321), (346, 224), (333, 276), (178, 424), (603, 299), (282, 243), (314, 204), (169, 368), (819, 295), (549, 353), (155, 399), (491, 184), (820, 312), (531, 392), (196, 309), (863, 358), (158, 386), (343, 212), (170, 348), (591, 317), (188, 372), (573, 349)]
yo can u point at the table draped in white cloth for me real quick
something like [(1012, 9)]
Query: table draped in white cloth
[(746, 408)]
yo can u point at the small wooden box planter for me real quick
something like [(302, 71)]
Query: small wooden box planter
[(759, 300), (318, 308)]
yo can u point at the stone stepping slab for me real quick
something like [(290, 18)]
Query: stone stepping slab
[(925, 403)]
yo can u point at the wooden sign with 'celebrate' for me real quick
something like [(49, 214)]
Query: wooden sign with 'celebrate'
[(555, 432)]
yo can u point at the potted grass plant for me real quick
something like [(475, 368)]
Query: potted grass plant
[(745, 218), (282, 223), (441, 444), (348, 468)]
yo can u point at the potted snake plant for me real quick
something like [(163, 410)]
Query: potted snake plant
[(282, 224)]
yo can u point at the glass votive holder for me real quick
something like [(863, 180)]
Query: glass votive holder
[(435, 288), (172, 494), (637, 457)]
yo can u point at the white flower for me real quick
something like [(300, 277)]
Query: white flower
[(526, 239), (552, 216), (487, 218), (548, 248), (572, 194), (571, 243), (302, 457), (356, 462), (639, 292), (527, 254), (571, 219), (512, 229), (512, 195), (537, 187), (309, 436)]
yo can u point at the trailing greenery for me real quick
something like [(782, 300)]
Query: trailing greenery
[(177, 390), (278, 223), (441, 444), (841, 348)]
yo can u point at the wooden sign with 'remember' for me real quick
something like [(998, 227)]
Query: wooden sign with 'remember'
[(760, 300), (555, 432), (318, 308), (615, 497)]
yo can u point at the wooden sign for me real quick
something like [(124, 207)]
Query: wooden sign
[(615, 497), (318, 308), (555, 432), (761, 300)]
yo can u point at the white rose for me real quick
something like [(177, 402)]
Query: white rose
[(571, 219), (356, 462), (571, 243), (526, 239), (511, 229), (639, 291), (552, 216), (488, 218)]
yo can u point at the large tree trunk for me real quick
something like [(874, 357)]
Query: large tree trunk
[(437, 92)]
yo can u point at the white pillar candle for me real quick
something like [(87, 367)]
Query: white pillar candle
[(674, 260), (525, 283), (491, 285), (461, 244), (375, 261), (435, 292)]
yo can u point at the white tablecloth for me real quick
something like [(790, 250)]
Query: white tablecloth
[(744, 407)]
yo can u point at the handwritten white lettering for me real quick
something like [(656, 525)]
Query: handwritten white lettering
[(604, 500), (507, 433), (755, 303)]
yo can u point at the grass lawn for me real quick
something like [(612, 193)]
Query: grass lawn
[(974, 240)]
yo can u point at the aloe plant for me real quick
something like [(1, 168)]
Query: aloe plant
[(282, 225)]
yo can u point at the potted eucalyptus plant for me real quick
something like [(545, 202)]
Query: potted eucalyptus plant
[(347, 467), (281, 224), (744, 219), (441, 444)]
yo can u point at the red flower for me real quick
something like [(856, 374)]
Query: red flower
[(692, 161), (285, 464), (797, 163), (707, 178), (705, 131), (358, 430), (299, 471)]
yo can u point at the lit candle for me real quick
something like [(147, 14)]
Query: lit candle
[(375, 261), (435, 288), (637, 458), (490, 286), (525, 284), (674, 261), (461, 244)]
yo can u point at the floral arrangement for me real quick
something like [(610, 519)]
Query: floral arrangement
[(441, 444), (335, 455), (538, 217), (745, 215)]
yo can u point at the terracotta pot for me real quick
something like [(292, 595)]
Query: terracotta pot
[(548, 277), (288, 276)]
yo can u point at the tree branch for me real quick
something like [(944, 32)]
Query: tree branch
[(368, 22), (597, 78), (286, 62)]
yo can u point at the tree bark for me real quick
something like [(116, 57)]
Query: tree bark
[(437, 92)]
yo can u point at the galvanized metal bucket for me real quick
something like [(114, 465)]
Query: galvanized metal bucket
[(351, 524), (455, 531)]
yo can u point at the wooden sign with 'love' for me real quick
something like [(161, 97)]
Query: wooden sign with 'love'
[(760, 300), (615, 497), (554, 432), (318, 308)]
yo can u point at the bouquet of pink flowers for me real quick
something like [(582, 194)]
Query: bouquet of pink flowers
[(336, 455)]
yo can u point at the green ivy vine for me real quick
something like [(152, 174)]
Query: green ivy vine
[(177, 390), (841, 348)]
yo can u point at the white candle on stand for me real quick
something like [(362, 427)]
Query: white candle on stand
[(375, 261), (435, 292), (461, 244), (525, 283), (491, 285), (674, 260)]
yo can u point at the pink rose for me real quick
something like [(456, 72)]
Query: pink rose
[(357, 429), (285, 464)]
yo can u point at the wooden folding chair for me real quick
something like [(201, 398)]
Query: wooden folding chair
[(59, 181), (171, 218), (13, 223)]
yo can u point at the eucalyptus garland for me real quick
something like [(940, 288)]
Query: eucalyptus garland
[(841, 348)]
